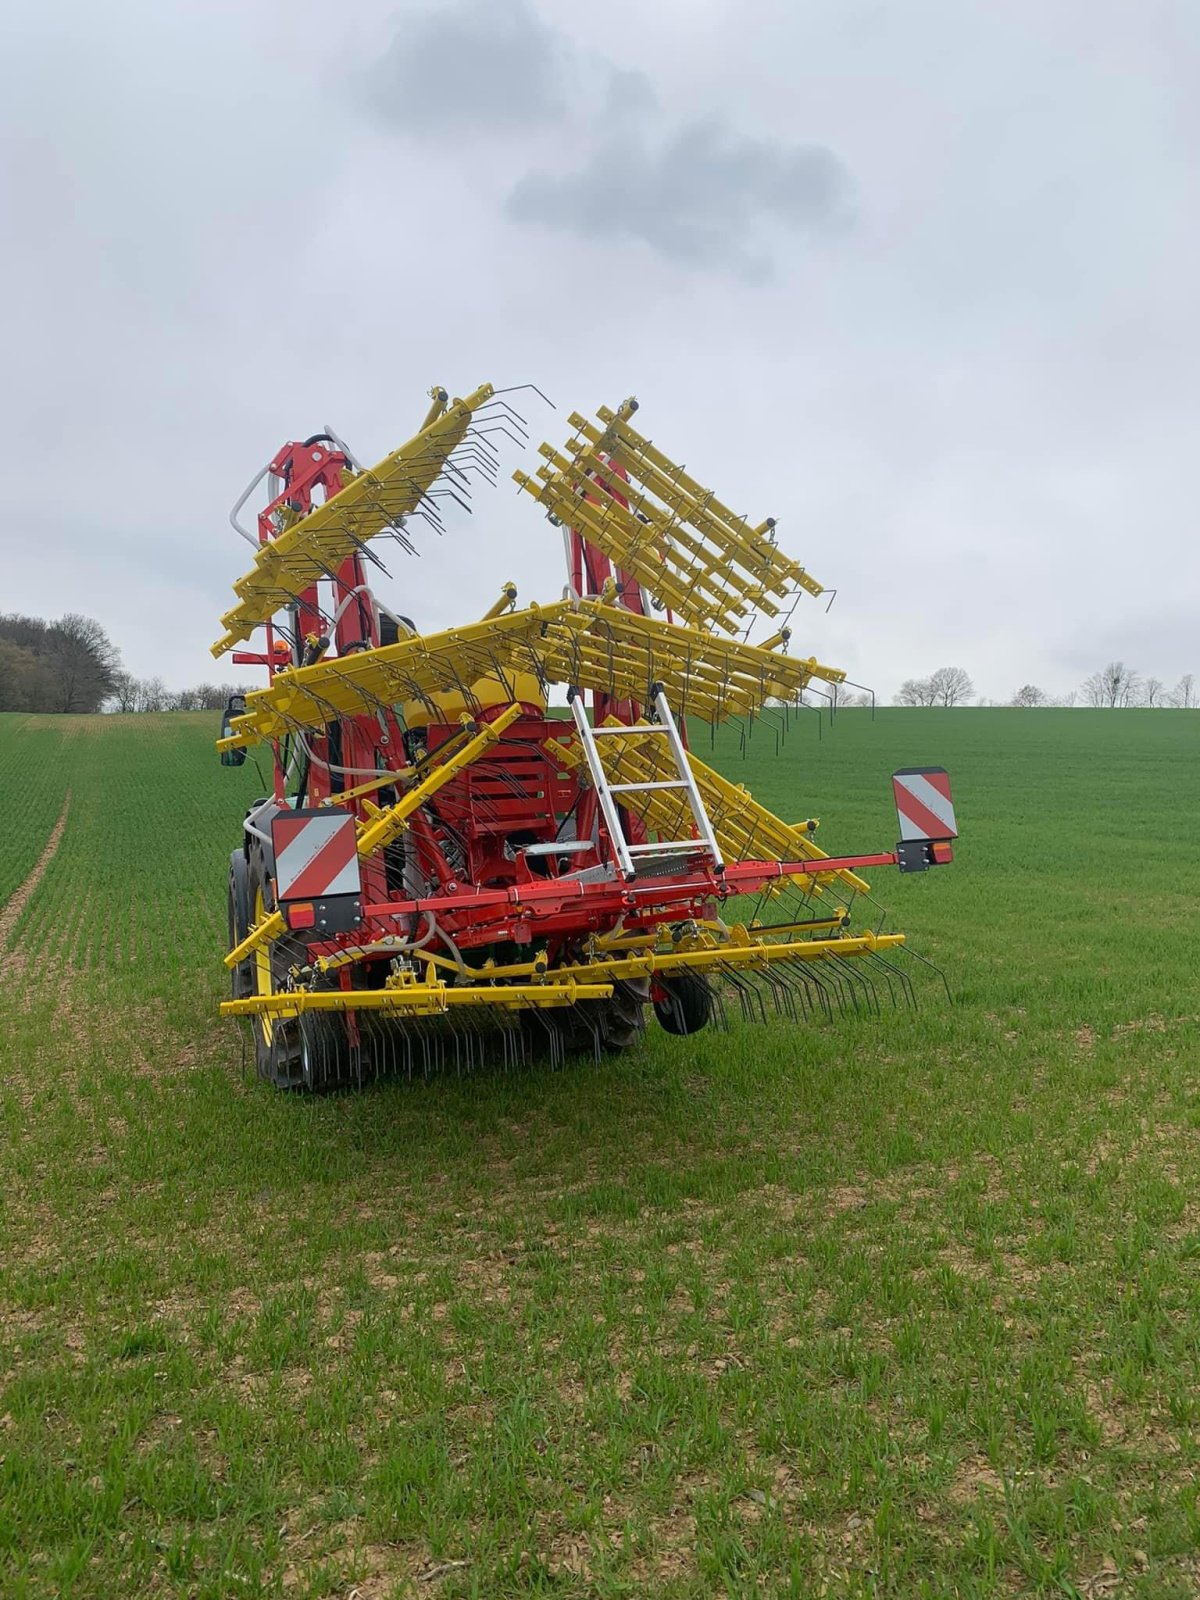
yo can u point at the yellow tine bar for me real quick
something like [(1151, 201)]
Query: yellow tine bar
[(422, 999), (682, 484)]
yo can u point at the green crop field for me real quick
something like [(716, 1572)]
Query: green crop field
[(896, 1306)]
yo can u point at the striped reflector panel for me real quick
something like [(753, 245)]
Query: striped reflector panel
[(316, 854), (923, 803)]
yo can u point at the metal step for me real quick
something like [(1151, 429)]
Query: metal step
[(557, 847), (705, 841)]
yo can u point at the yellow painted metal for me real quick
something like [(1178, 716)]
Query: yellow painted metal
[(371, 501), (753, 954), (420, 998), (385, 825), (390, 823), (688, 549), (263, 982), (507, 600), (476, 698), (440, 400), (587, 643), (395, 775), (563, 986), (745, 830)]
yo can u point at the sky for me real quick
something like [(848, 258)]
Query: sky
[(920, 281)]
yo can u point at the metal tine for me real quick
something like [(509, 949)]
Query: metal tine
[(854, 981), (832, 975), (801, 987), (749, 997), (815, 987), (478, 438), (781, 991), (891, 976), (857, 971), (719, 1014), (925, 962)]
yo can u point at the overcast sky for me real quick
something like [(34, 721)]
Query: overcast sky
[(920, 280)]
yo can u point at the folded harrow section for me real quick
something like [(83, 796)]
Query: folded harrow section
[(682, 544), (589, 644)]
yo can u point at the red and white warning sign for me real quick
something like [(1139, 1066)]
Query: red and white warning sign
[(923, 803), (316, 854)]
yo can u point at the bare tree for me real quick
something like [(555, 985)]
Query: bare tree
[(1154, 693), (1113, 688), (25, 684), (210, 696), (1184, 693), (916, 692), (124, 693), (1029, 695), (151, 695), (951, 686)]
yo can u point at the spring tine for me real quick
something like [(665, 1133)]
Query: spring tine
[(801, 987), (780, 992), (887, 973)]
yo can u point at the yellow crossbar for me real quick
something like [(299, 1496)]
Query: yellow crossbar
[(419, 999)]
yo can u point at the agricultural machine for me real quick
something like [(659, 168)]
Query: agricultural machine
[(446, 868)]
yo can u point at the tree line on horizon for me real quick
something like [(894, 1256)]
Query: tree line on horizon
[(72, 666), (1114, 687)]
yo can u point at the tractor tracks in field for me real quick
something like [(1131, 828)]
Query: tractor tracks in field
[(20, 897)]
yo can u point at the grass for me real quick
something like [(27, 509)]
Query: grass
[(898, 1307)]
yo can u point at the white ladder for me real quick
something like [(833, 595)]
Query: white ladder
[(664, 727)]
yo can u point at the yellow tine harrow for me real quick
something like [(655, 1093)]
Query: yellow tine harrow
[(687, 548), (591, 645), (372, 501)]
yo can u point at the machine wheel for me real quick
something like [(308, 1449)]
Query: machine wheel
[(623, 1018), (610, 1025), (278, 1049), (685, 1005), (242, 976)]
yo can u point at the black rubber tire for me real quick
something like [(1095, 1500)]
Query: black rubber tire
[(687, 1006), (610, 1025), (277, 1046), (325, 1053), (241, 979), (624, 1016)]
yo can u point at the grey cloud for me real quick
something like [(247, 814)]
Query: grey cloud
[(472, 66), (703, 197), (627, 89)]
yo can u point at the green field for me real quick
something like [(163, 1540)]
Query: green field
[(906, 1306)]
